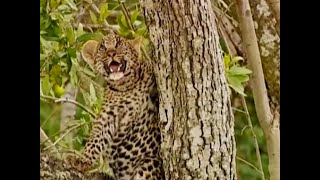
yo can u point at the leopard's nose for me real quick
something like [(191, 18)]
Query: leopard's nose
[(111, 53)]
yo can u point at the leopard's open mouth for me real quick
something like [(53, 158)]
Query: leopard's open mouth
[(115, 66), (116, 69)]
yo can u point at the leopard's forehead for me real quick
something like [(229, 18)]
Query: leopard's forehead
[(112, 41)]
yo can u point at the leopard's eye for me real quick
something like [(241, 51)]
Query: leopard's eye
[(102, 48)]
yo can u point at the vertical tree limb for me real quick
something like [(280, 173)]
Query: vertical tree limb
[(269, 124)]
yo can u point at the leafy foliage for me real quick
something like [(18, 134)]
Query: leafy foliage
[(235, 74), (65, 25)]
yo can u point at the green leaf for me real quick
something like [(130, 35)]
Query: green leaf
[(140, 31), (124, 22), (79, 30), (236, 85), (73, 75), (63, 7), (236, 59), (55, 74), (226, 60), (43, 32), (74, 60), (72, 4), (104, 13), (45, 43), (86, 98), (60, 54), (70, 34), (79, 139), (93, 17), (72, 52), (240, 78), (89, 36), (134, 15), (236, 70), (44, 22), (88, 72), (43, 57), (53, 4), (46, 85), (93, 96)]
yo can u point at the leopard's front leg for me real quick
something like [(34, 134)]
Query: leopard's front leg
[(101, 136)]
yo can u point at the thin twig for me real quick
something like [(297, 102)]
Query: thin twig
[(244, 103), (62, 100), (124, 11), (126, 14), (44, 139), (105, 22), (47, 119), (44, 64), (64, 130), (62, 136), (246, 162), (238, 110)]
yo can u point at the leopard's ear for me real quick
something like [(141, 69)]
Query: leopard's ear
[(88, 51), (136, 44)]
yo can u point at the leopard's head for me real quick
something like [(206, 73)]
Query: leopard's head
[(117, 59)]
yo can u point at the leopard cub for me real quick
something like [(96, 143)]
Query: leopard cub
[(126, 132)]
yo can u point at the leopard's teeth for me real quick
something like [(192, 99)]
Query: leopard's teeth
[(119, 67)]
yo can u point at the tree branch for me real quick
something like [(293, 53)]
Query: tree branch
[(258, 86), (45, 139), (62, 100), (52, 167), (63, 135), (126, 14), (249, 164)]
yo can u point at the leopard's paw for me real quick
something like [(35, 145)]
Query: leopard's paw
[(79, 163)]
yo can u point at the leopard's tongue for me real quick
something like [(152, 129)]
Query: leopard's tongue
[(114, 67)]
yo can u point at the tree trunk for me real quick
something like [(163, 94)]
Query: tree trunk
[(68, 111), (195, 111), (269, 45)]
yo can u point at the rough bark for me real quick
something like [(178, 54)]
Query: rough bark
[(195, 111), (53, 168), (269, 123), (230, 34), (269, 45), (275, 8)]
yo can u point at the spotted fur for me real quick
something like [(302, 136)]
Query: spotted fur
[(126, 132)]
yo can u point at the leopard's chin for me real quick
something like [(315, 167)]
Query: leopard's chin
[(116, 76)]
